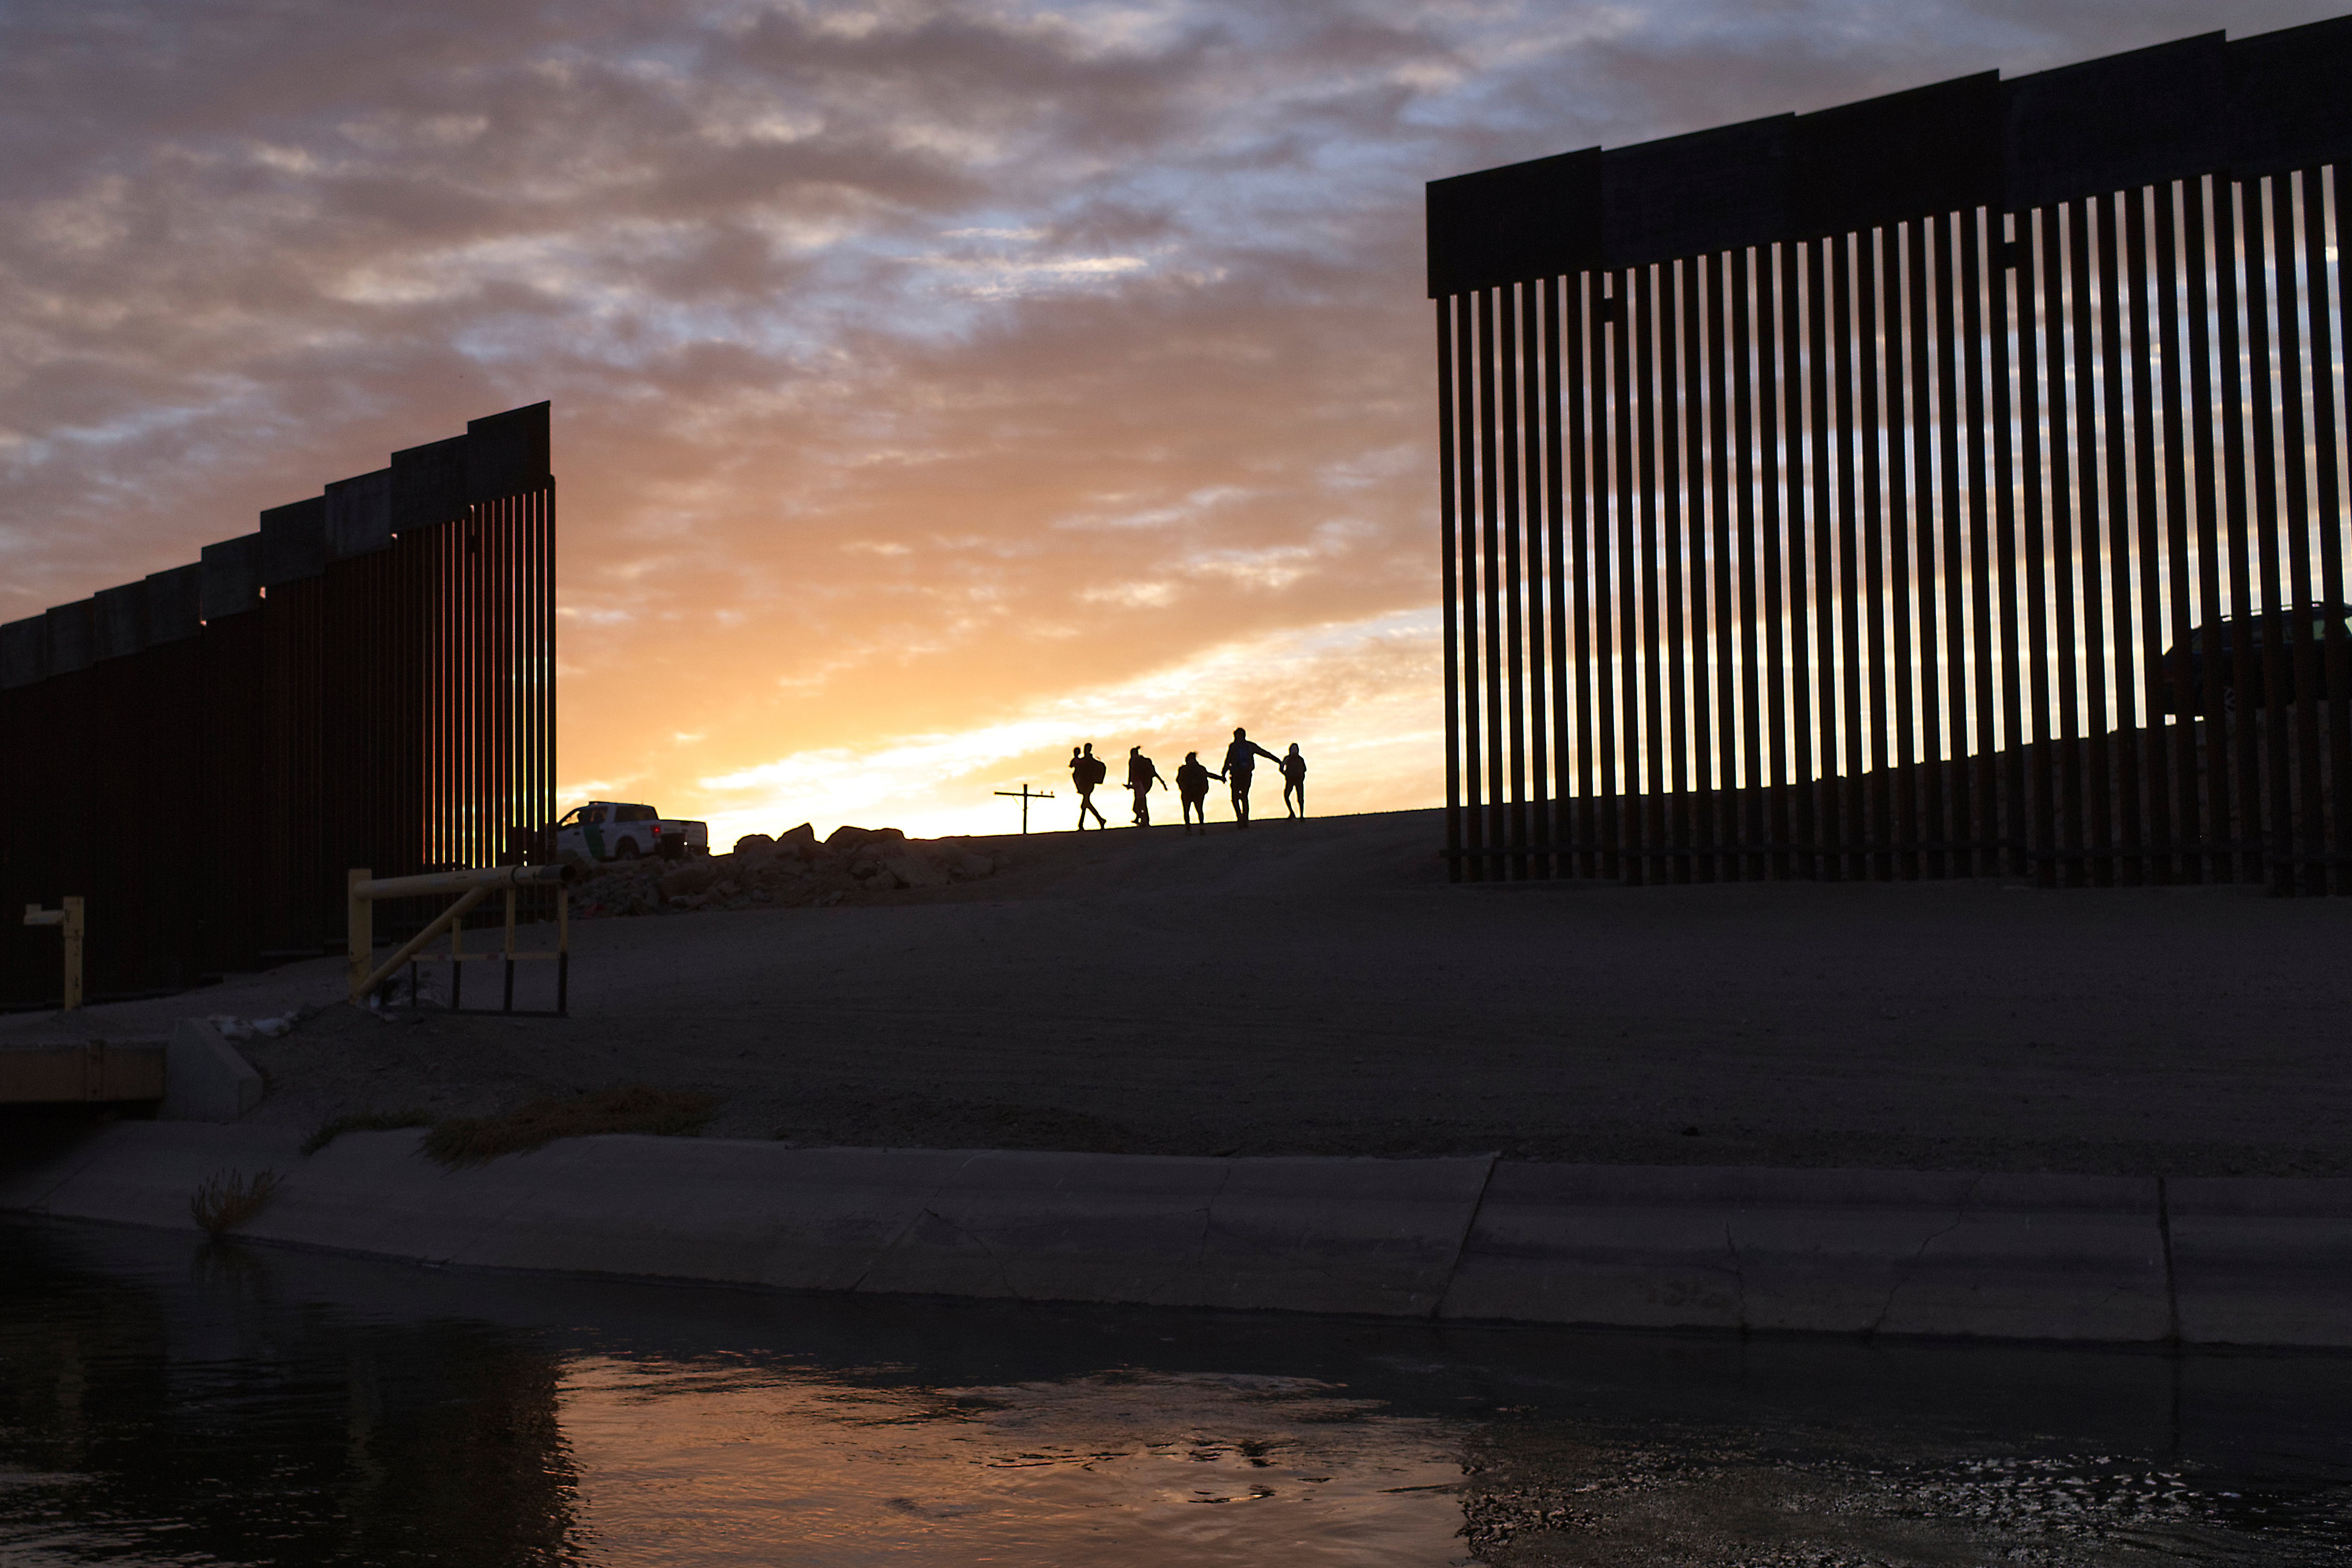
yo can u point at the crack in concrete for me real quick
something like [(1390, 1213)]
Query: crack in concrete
[(1290, 1251), (1002, 1278), (1903, 1278), (1462, 1240), (883, 1253)]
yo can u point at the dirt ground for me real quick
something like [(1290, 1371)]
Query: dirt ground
[(1316, 987)]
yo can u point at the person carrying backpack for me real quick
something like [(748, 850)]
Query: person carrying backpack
[(1141, 774), (1086, 772)]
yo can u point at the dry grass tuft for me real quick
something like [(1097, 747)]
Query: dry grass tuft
[(639, 1107), (364, 1122), (227, 1200)]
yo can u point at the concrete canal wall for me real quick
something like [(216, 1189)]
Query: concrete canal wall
[(2082, 1259)]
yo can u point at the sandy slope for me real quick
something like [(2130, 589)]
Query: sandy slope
[(1316, 987)]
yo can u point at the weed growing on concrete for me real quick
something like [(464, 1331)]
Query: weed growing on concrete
[(364, 1122), (639, 1107), (227, 1200)]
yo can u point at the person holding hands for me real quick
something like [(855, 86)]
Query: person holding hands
[(1240, 761), (1141, 774), (1193, 789)]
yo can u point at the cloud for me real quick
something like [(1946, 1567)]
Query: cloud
[(922, 372), (1357, 698)]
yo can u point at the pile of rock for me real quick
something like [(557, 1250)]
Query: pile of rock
[(792, 870)]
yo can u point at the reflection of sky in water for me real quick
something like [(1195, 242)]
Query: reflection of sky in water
[(695, 1464), (162, 1401)]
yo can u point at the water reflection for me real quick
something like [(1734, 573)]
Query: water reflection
[(1116, 1466), (162, 1401), (230, 1420)]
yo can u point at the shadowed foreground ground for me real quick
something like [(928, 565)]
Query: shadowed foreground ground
[(1316, 987)]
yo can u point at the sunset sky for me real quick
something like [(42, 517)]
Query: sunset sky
[(935, 385)]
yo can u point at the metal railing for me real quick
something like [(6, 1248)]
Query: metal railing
[(363, 889)]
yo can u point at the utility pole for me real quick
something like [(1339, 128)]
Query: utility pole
[(1026, 794)]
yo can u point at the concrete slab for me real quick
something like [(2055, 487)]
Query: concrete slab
[(2256, 1261), (38, 1160), (145, 1173), (2042, 1257), (1342, 1235), (715, 1209), (1830, 1251), (1057, 1226), (1660, 1247), (1305, 1233), (204, 1077), (374, 1193), (2262, 1260)]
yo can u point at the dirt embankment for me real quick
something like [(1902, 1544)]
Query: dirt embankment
[(1316, 987)]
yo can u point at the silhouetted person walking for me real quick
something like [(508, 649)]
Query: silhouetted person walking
[(1193, 789), (1086, 772), (1141, 774), (1294, 780), (1240, 761)]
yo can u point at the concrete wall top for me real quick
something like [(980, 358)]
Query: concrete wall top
[(502, 455), (118, 620), (293, 542), (162, 607), (23, 652), (508, 453), (428, 483), (1699, 193), (358, 515), (2118, 124), (71, 635), (174, 604), (231, 576), (2202, 105)]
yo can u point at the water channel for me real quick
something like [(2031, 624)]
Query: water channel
[(165, 1401)]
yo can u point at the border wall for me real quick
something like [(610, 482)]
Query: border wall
[(368, 680), (1841, 495)]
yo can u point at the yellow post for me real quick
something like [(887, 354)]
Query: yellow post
[(359, 924), (361, 889), (73, 954), (448, 920), (70, 918)]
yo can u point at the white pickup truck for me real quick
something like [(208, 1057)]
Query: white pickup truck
[(610, 831)]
